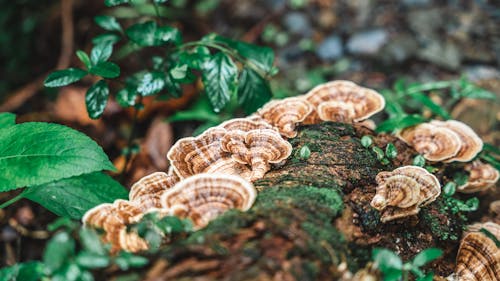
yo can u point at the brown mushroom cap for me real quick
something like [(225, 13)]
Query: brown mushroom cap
[(434, 143), (336, 111), (364, 101), (147, 191), (203, 197), (471, 143), (234, 143), (245, 124), (402, 192), (491, 227), (285, 114), (478, 258), (481, 177)]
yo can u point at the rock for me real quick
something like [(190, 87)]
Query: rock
[(367, 43), (425, 22), (298, 23), (481, 72), (399, 49), (444, 54), (330, 49)]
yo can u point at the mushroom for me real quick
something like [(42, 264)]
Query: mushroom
[(495, 208), (346, 97), (402, 192), (147, 191), (203, 154), (204, 197), (285, 114), (478, 258), (481, 177), (434, 143), (234, 143), (489, 226), (245, 124), (471, 143), (113, 219)]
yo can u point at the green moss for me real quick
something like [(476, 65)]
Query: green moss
[(444, 222)]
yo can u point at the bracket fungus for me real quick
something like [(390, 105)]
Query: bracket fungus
[(481, 177), (343, 101), (245, 124), (470, 143), (204, 197), (478, 257), (402, 192), (434, 143), (285, 114), (113, 219), (147, 191)]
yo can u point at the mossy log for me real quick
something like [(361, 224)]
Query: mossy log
[(311, 216)]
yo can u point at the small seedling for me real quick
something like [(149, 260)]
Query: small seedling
[(419, 161), (449, 189), (390, 151), (379, 152), (366, 141), (304, 152)]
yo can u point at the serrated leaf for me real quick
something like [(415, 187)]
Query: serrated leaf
[(151, 83), (84, 58), (97, 98), (426, 256), (64, 77), (219, 77), (106, 69), (59, 249), (253, 90), (36, 153), (7, 119), (150, 34), (111, 3), (111, 38), (101, 52), (72, 197), (108, 23)]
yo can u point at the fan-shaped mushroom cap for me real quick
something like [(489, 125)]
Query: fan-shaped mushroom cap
[(131, 241), (337, 111), (285, 114), (147, 191), (434, 143), (481, 177), (495, 208), (471, 143), (203, 154), (478, 258), (245, 124), (365, 102), (491, 227), (203, 197), (234, 143), (402, 192)]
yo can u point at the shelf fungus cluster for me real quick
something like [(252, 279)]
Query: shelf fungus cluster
[(402, 192), (478, 257), (481, 177), (445, 141)]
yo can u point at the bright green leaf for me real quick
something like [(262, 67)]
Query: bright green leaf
[(219, 77), (127, 260), (449, 188), (391, 151), (101, 52), (426, 256), (111, 3), (430, 104), (304, 152), (64, 77), (366, 141), (29, 271), (126, 97), (151, 83), (59, 249), (7, 119), (37, 153), (72, 197), (97, 98), (110, 38), (150, 34), (106, 69), (388, 262), (108, 23), (419, 161), (91, 260), (179, 72), (378, 152), (400, 123), (84, 58), (253, 90)]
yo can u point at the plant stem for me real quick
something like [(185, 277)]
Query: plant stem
[(13, 200), (131, 137)]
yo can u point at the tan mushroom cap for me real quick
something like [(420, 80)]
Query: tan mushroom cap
[(471, 143), (495, 208), (481, 177), (203, 154), (491, 227), (285, 114), (434, 143), (245, 124), (402, 192), (365, 102), (336, 111), (204, 197), (478, 258), (147, 191), (234, 143)]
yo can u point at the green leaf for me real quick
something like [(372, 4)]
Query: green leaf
[(126, 97), (419, 161), (91, 241), (366, 141), (388, 262), (219, 78), (469, 90), (108, 23), (391, 151), (426, 256), (72, 197), (84, 58), (111, 3), (400, 123), (97, 98), (106, 69), (101, 52), (7, 119), (109, 37), (304, 152), (379, 152), (428, 277), (488, 147), (36, 153), (150, 34), (90, 260), (64, 77), (253, 90), (127, 260), (449, 188), (429, 103), (151, 83), (29, 271), (58, 251), (179, 72), (194, 58)]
